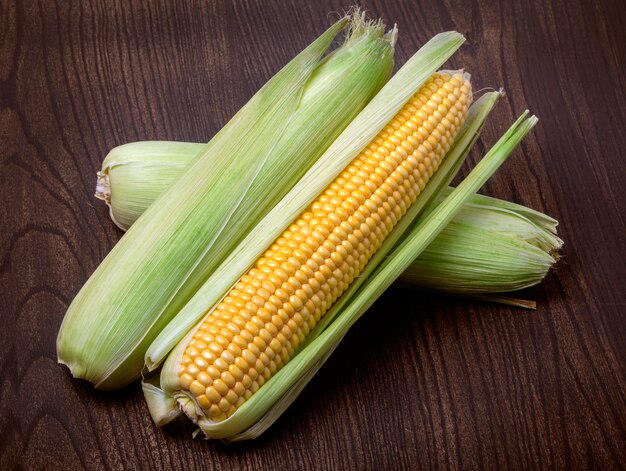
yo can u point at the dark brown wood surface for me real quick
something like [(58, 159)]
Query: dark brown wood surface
[(422, 381)]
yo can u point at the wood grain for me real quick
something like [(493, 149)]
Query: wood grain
[(449, 383)]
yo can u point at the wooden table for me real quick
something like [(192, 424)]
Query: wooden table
[(448, 383)]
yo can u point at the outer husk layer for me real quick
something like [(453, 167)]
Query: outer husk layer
[(490, 246), (134, 175), (239, 176)]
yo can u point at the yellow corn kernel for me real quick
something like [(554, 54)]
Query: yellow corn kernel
[(257, 327)]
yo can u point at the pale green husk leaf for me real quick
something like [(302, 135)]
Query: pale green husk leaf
[(133, 175), (243, 172), (356, 136)]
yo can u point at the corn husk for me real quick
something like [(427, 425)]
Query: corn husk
[(356, 136), (134, 175), (490, 246), (236, 179)]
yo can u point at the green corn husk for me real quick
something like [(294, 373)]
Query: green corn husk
[(234, 181), (490, 246), (355, 137), (134, 175)]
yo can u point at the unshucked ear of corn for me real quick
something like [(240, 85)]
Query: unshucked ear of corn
[(233, 182), (491, 246)]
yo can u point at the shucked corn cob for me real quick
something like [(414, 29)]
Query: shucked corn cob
[(261, 322), (407, 240)]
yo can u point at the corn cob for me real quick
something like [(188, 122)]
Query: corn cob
[(407, 240), (261, 322)]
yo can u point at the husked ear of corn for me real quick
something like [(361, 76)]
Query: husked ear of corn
[(263, 320), (234, 181), (403, 245)]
